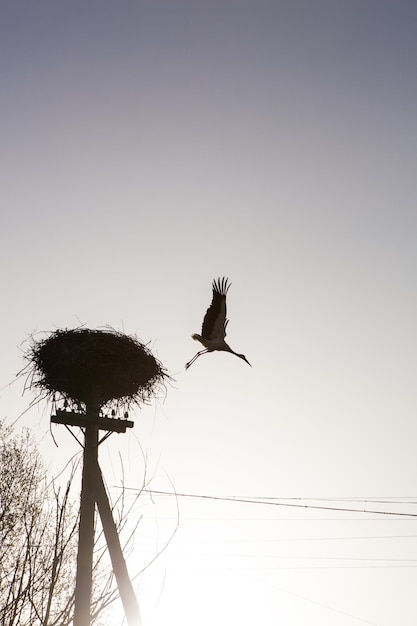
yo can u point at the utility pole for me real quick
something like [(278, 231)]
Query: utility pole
[(83, 585), (92, 492)]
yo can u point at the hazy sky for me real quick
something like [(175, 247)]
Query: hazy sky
[(149, 147)]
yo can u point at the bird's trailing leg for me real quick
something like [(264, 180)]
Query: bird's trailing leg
[(187, 365)]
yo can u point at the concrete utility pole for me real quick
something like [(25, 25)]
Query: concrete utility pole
[(92, 492), (83, 585)]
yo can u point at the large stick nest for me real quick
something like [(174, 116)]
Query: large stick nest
[(94, 367)]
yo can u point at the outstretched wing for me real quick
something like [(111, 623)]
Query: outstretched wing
[(215, 322)]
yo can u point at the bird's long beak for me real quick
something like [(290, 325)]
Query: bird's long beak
[(245, 359)]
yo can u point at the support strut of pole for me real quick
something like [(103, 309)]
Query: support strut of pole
[(127, 595)]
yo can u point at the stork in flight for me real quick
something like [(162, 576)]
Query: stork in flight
[(214, 324)]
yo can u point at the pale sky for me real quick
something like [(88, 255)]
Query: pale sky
[(149, 147)]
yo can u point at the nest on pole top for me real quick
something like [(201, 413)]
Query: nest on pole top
[(93, 367)]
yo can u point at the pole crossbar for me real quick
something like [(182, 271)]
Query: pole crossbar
[(73, 418)]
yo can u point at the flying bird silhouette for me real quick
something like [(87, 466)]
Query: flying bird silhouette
[(213, 331)]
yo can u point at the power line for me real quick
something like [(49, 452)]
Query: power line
[(294, 539), (249, 500), (326, 567), (241, 555), (376, 500)]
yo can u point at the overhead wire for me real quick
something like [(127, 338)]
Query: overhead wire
[(317, 563), (261, 501)]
